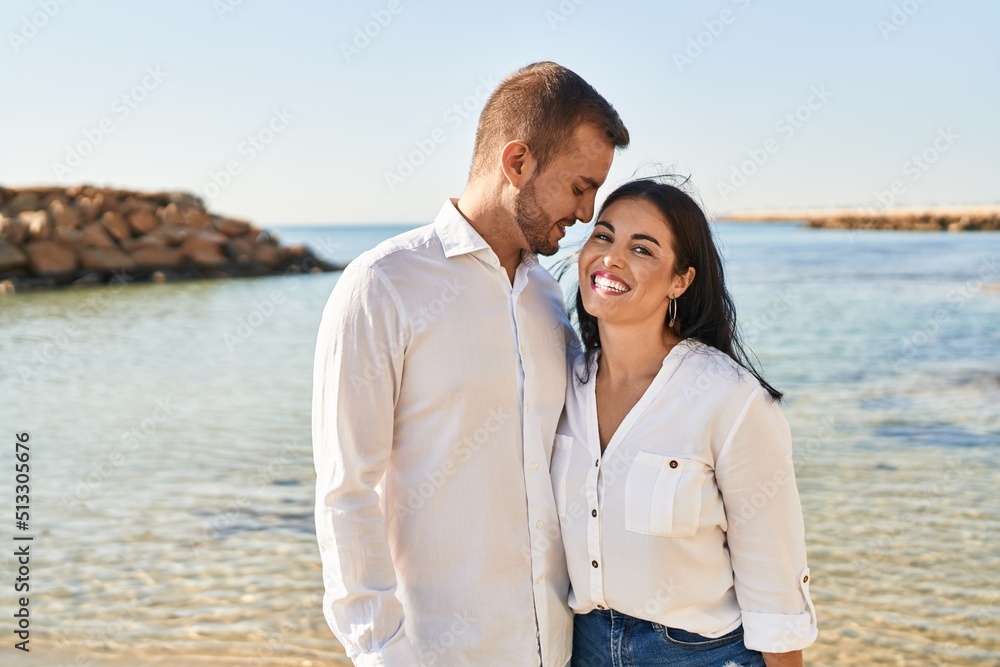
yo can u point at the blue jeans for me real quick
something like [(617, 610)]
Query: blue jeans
[(611, 639)]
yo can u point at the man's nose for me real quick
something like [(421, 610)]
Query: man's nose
[(585, 211)]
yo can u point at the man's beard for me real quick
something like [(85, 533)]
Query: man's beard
[(533, 222)]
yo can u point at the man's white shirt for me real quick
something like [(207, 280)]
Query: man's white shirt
[(437, 389)]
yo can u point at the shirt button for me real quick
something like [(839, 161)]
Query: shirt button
[(534, 466), (538, 524), (673, 464), (594, 563), (593, 512), (597, 463), (805, 579), (538, 580)]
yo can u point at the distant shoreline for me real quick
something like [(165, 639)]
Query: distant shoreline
[(945, 218)]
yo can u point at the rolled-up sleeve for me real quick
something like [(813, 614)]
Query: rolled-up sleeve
[(356, 380), (766, 535)]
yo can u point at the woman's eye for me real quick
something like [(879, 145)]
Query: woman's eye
[(602, 237), (642, 250)]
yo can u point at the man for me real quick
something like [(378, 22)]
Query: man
[(440, 376)]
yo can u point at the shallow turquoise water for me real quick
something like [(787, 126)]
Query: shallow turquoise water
[(172, 476)]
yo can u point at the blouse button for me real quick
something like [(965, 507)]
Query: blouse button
[(600, 606), (673, 464), (805, 579), (593, 512), (594, 563)]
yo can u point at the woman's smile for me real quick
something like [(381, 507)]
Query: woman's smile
[(604, 282)]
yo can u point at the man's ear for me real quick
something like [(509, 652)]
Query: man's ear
[(518, 164)]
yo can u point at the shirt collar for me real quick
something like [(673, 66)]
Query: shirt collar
[(458, 237), (673, 358), (456, 234)]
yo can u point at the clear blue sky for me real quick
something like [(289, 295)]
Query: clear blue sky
[(887, 80)]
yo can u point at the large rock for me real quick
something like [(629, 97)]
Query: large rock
[(11, 257), (48, 258), (171, 235), (231, 227), (96, 236), (239, 250), (63, 214), (171, 216), (152, 257), (148, 241), (12, 230), (106, 259), (111, 203), (211, 236), (203, 252), (268, 255), (38, 224), (71, 238), (142, 220), (196, 218), (90, 207), (116, 225), (23, 201)]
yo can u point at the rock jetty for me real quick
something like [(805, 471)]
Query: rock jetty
[(938, 219), (916, 222), (56, 236)]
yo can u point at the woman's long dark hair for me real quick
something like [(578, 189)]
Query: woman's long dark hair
[(705, 311)]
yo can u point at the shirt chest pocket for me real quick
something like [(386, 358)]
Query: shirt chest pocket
[(663, 495)]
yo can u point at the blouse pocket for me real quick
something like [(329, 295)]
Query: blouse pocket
[(663, 495), (559, 469)]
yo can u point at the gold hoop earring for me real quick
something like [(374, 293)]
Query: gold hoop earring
[(672, 312)]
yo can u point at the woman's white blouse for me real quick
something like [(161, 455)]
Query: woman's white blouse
[(691, 518)]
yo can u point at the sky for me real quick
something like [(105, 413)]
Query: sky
[(306, 112)]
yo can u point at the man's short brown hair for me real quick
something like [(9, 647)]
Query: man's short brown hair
[(542, 105)]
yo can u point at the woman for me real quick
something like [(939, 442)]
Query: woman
[(672, 466)]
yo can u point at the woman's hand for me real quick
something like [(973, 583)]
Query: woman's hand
[(790, 659)]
